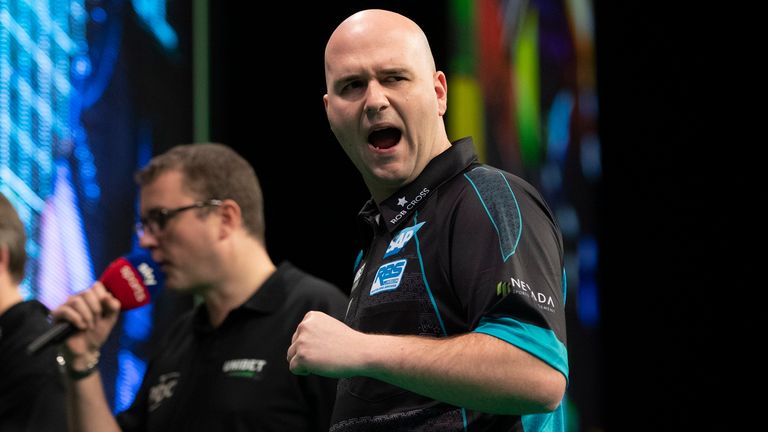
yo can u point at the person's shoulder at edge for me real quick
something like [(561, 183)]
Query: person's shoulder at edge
[(316, 292)]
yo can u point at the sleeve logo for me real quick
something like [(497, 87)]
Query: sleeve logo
[(520, 287), (388, 276)]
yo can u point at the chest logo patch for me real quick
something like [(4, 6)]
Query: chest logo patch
[(163, 390), (243, 368), (400, 240), (388, 276)]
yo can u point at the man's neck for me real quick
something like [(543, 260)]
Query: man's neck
[(247, 271), (9, 296)]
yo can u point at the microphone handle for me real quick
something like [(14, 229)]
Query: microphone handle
[(55, 335)]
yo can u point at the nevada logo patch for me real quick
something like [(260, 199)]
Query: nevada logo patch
[(388, 276)]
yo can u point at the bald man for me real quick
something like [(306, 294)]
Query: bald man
[(456, 317)]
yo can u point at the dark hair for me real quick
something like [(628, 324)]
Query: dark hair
[(13, 236), (213, 171)]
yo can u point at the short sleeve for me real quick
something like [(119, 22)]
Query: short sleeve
[(507, 265)]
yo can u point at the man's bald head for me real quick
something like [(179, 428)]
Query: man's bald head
[(386, 100), (378, 24)]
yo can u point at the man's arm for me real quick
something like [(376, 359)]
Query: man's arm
[(87, 406), (94, 312), (474, 371)]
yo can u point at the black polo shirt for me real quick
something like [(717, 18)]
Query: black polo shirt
[(463, 248), (32, 394), (236, 377)]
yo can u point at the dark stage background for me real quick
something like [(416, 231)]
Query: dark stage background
[(677, 295)]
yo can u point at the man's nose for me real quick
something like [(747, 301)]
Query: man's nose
[(375, 98)]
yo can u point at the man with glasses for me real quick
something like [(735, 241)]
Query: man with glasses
[(222, 366)]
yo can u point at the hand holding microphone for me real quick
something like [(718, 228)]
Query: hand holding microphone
[(87, 318)]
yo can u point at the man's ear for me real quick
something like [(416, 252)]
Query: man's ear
[(5, 259), (441, 90), (231, 217)]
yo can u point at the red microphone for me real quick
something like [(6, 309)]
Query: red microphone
[(130, 278)]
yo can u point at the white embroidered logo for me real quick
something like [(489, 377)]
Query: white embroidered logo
[(246, 368), (163, 390)]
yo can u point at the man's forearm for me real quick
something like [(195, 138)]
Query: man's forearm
[(87, 408), (474, 371)]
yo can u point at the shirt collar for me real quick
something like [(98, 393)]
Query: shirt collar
[(17, 315), (403, 203), (268, 298)]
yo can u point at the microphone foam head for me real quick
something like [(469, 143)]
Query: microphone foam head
[(131, 279)]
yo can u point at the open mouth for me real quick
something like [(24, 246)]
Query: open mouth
[(384, 138)]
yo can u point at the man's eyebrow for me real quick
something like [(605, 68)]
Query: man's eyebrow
[(347, 78), (357, 76), (394, 71)]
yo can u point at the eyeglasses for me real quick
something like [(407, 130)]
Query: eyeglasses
[(156, 219)]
